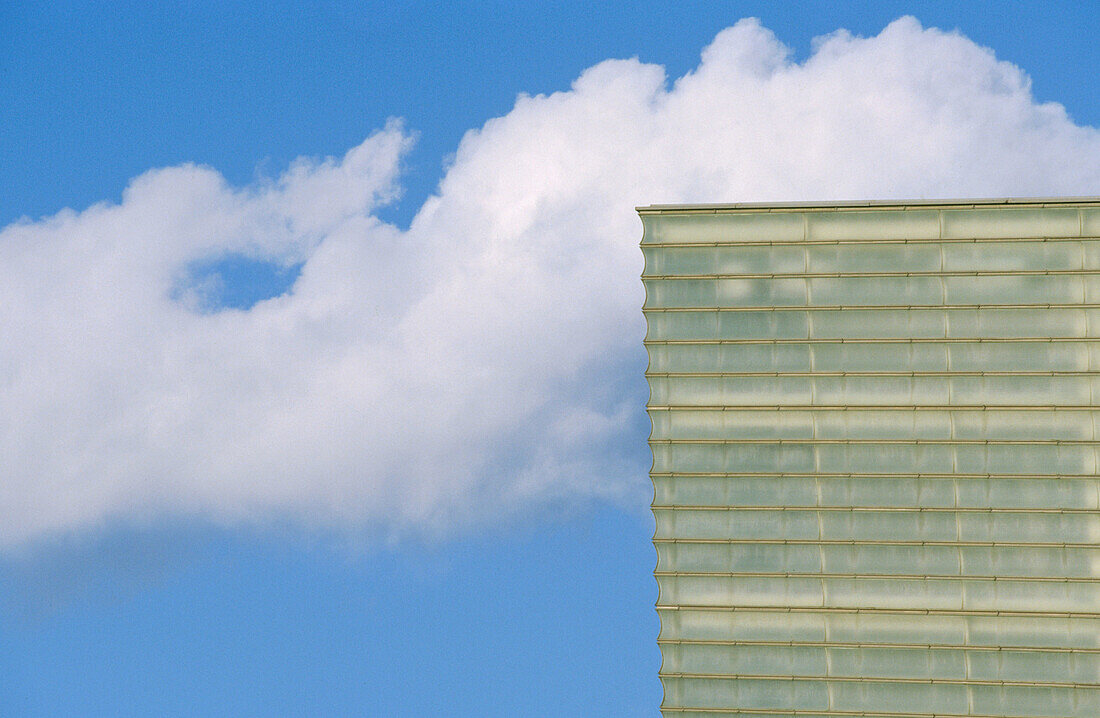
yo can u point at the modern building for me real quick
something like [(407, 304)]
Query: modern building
[(876, 449)]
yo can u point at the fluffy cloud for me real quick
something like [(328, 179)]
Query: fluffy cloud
[(487, 360)]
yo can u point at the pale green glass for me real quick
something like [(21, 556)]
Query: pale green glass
[(876, 447)]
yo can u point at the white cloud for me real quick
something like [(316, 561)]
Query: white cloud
[(486, 361)]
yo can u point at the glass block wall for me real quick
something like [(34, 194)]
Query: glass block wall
[(875, 457)]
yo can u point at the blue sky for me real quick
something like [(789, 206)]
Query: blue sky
[(217, 505)]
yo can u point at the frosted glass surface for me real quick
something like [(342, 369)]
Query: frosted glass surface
[(876, 448)]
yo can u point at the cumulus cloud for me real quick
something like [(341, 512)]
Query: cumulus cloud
[(485, 361)]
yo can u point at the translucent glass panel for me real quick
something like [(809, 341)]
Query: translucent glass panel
[(876, 448), (887, 258), (875, 290)]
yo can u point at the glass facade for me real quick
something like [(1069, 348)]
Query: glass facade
[(876, 448)]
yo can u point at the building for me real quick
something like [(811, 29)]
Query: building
[(876, 448)]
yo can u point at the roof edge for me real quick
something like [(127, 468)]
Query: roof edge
[(865, 204)]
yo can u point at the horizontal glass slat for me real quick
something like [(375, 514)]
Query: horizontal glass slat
[(1024, 561), (871, 525), (880, 593), (900, 491), (874, 357), (867, 224), (926, 257), (941, 700), (1067, 459), (968, 390), (1050, 632), (872, 291), (867, 423), (931, 323), (882, 662)]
